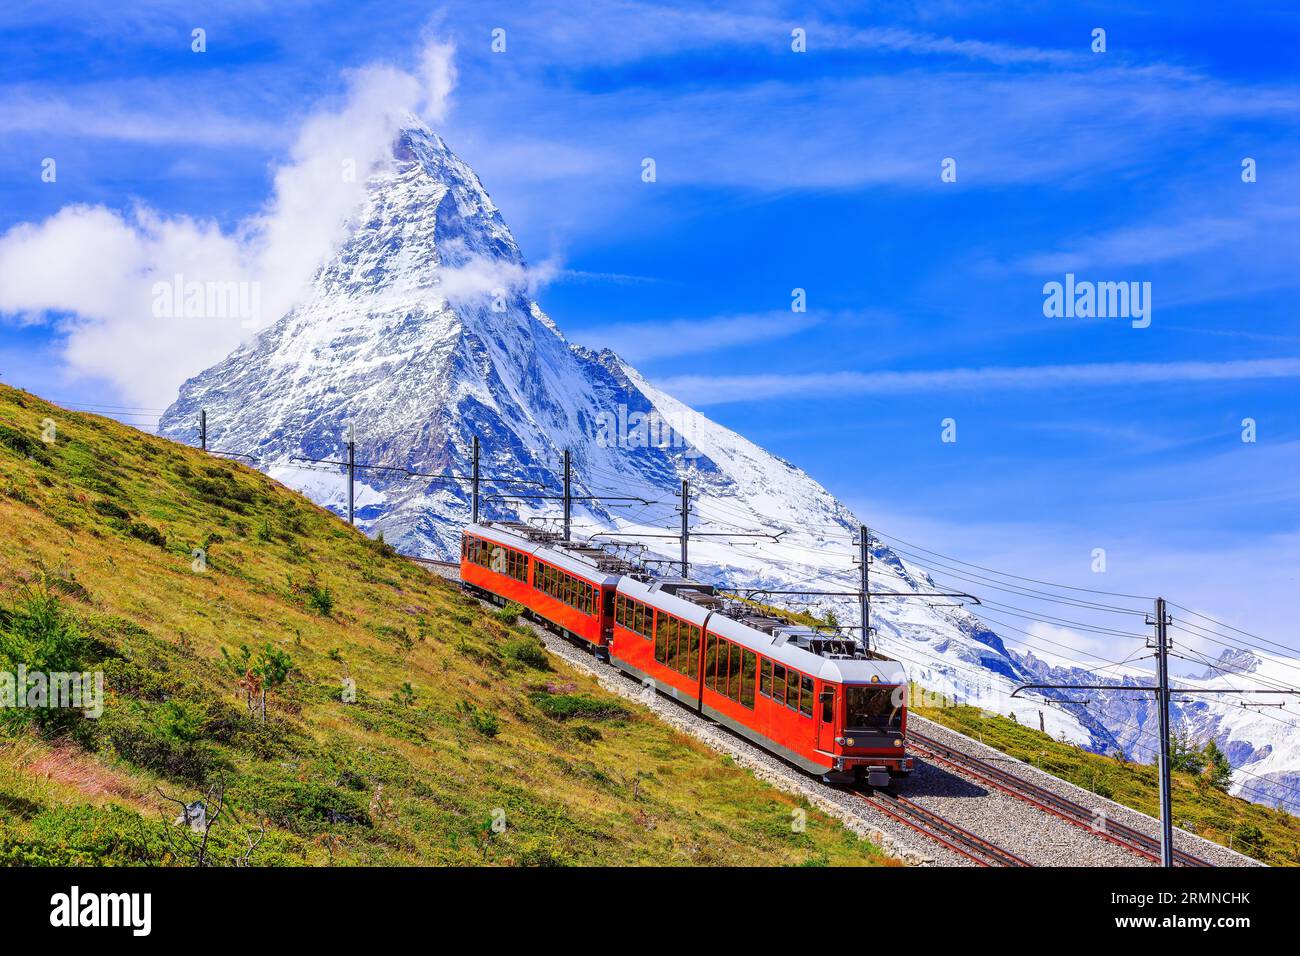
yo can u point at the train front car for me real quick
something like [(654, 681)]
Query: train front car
[(863, 720), (810, 696)]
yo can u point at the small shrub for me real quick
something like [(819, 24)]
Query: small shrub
[(147, 533), (509, 614), (23, 445), (484, 721), (568, 706), (111, 509), (587, 735), (38, 632), (404, 695), (528, 651), (378, 545), (320, 599)]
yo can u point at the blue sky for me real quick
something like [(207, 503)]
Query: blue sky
[(779, 170)]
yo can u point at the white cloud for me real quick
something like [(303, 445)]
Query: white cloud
[(95, 269)]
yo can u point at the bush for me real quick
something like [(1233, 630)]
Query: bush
[(23, 445), (320, 599), (149, 747), (82, 835), (567, 706), (38, 632), (484, 721), (147, 533), (528, 651), (509, 614), (587, 735), (110, 509)]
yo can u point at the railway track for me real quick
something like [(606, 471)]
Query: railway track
[(940, 829), (994, 776)]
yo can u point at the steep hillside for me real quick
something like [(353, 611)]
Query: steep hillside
[(157, 564)]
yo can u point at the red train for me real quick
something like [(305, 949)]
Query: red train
[(812, 699)]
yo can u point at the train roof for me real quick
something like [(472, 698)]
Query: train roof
[(550, 547), (654, 594)]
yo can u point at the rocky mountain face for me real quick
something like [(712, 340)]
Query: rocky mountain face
[(420, 334)]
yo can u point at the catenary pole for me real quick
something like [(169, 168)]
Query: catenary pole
[(1162, 699), (686, 512), (568, 492)]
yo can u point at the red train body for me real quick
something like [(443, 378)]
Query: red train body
[(812, 699)]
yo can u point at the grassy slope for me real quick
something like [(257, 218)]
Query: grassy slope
[(1201, 809), (375, 782)]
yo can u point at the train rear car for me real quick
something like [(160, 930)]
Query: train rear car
[(558, 585)]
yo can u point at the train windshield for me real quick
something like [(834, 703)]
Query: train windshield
[(873, 707)]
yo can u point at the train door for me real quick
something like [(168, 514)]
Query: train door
[(607, 616), (826, 718)]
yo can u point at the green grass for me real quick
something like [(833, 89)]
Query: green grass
[(151, 558), (1269, 835)]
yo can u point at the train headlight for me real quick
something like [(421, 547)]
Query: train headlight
[(848, 741), (898, 742)]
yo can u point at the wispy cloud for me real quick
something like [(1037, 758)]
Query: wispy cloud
[(716, 390), (643, 341)]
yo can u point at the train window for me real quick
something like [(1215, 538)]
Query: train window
[(806, 701), (828, 705), (661, 639), (792, 689), (711, 662), (737, 670), (765, 681), (778, 683), (693, 650), (747, 679), (872, 707)]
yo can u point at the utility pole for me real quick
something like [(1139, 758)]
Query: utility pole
[(1161, 621), (1162, 699), (352, 471), (203, 428), (686, 512), (568, 492), (864, 598), (474, 480)]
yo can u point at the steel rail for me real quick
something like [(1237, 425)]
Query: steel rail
[(941, 830), (1047, 800)]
